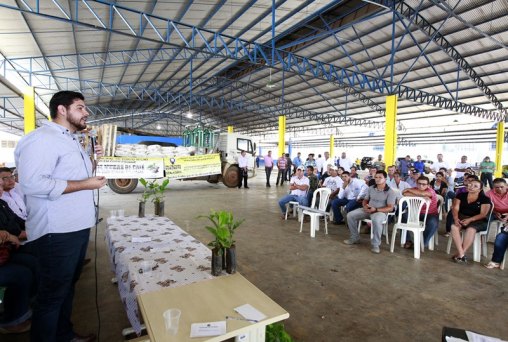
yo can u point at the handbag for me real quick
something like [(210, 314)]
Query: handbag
[(5, 252)]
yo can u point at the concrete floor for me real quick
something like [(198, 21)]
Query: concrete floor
[(333, 292)]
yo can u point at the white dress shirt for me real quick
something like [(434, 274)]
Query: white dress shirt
[(46, 159)]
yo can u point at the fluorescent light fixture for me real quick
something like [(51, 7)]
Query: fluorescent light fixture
[(270, 84)]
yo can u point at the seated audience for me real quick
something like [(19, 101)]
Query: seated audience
[(378, 202), (413, 178), (10, 195), (500, 244), (18, 275), (398, 185), (469, 210), (353, 173), (334, 183), (369, 179), (432, 223), (298, 186), (347, 198), (313, 183), (463, 189), (439, 184), (9, 221), (499, 197)]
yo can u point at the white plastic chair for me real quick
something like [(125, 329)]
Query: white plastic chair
[(295, 205), (316, 211), (434, 240), (480, 240), (385, 226), (413, 207)]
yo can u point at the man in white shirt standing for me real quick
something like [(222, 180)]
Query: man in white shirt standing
[(243, 163), (298, 185), (439, 164), (460, 168), (320, 162), (56, 176), (345, 162)]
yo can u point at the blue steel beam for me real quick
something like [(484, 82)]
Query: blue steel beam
[(156, 96), (94, 60), (168, 32), (260, 54), (428, 29), (224, 27)]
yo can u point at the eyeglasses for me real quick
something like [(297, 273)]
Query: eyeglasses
[(422, 184), (8, 177)]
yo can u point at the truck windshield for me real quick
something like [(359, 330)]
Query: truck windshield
[(244, 144)]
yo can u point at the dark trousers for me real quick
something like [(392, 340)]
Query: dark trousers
[(288, 173), (243, 176), (268, 171), (486, 177), (500, 246), (281, 175), (18, 276), (60, 258)]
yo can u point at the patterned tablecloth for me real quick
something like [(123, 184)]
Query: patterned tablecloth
[(169, 255)]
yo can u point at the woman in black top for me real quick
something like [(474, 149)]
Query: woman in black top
[(439, 184), (470, 210)]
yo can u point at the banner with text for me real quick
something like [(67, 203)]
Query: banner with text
[(193, 166), (125, 167)]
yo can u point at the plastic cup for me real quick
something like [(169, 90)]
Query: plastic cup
[(113, 214), (146, 266), (121, 212), (171, 320)]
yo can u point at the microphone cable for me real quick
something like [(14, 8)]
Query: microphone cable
[(97, 221)]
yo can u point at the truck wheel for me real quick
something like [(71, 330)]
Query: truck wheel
[(123, 186), (231, 177)]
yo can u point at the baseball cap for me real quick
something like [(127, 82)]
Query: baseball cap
[(301, 168)]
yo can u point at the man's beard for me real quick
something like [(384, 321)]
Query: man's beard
[(77, 123)]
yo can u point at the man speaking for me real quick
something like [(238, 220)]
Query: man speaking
[(55, 173)]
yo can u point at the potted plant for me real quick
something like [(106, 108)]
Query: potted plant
[(223, 246), (230, 251), (147, 193), (158, 196), (156, 191)]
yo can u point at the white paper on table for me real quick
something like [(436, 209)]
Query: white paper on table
[(454, 339), (251, 313), (141, 239), (474, 337), (208, 329)]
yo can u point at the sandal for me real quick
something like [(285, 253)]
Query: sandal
[(492, 265), (408, 245)]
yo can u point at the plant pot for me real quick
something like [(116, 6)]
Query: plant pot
[(141, 209), (231, 259), (159, 208), (216, 262), (223, 251)]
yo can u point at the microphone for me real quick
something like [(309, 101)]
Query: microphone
[(93, 142)]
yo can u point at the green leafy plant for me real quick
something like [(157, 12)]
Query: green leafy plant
[(276, 333), (223, 228), (147, 193), (153, 189)]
